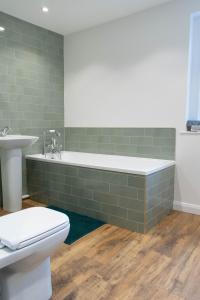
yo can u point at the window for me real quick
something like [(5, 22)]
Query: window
[(193, 108)]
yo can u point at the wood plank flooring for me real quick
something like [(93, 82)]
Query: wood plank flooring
[(112, 263)]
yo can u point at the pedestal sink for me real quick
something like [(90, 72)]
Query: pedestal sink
[(11, 169)]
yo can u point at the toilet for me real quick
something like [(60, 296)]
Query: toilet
[(27, 239)]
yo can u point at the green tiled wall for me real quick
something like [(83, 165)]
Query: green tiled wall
[(31, 78), (131, 201), (142, 142), (159, 193)]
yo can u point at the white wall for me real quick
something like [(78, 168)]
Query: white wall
[(133, 73)]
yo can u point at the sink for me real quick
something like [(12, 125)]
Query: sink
[(17, 141), (11, 169)]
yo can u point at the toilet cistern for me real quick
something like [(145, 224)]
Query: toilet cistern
[(11, 168)]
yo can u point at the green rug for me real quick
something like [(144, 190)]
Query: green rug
[(79, 225)]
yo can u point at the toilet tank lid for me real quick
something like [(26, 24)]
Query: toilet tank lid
[(24, 227)]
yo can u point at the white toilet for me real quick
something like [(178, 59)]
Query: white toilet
[(27, 239)]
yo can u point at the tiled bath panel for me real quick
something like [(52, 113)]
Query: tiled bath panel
[(131, 201), (140, 142)]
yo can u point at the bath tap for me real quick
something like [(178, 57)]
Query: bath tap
[(4, 131), (55, 150), (56, 132), (53, 147)]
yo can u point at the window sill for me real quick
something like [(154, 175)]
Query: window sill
[(190, 133)]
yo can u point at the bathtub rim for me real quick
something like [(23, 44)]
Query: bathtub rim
[(168, 163)]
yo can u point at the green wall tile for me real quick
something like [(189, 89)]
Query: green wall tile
[(106, 198), (130, 203), (141, 142), (114, 210)]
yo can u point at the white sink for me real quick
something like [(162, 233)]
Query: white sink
[(17, 141), (11, 169)]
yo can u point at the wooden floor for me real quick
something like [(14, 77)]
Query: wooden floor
[(112, 263)]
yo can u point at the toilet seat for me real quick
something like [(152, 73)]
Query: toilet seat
[(8, 256), (32, 236), (26, 227)]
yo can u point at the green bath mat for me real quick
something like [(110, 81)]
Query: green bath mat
[(79, 225)]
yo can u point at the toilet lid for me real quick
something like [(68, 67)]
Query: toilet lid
[(20, 229)]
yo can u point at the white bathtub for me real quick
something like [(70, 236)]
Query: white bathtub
[(116, 163)]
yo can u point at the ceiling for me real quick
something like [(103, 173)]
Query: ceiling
[(67, 16)]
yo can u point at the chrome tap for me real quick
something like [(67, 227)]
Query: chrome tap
[(51, 145), (4, 131), (54, 149)]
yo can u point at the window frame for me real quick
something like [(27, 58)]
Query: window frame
[(190, 90)]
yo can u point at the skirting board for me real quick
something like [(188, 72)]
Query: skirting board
[(186, 207)]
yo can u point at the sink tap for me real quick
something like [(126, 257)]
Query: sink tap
[(4, 131)]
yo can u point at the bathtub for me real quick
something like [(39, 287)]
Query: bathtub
[(115, 163), (131, 192)]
